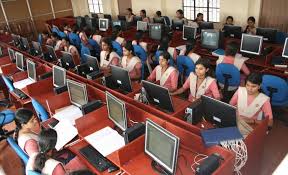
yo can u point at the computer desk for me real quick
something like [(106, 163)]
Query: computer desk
[(132, 159)]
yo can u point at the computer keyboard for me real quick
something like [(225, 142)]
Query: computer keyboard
[(20, 94), (94, 75), (100, 162)]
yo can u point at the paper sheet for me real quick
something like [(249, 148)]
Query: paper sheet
[(65, 133), (106, 141), (68, 113), (23, 83)]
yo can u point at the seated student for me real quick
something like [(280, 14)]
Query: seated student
[(46, 40), (108, 56), (71, 49), (131, 62), (143, 16), (229, 20), (199, 18), (200, 83), (158, 14), (83, 37), (252, 105), (163, 74), (250, 28), (44, 163), (130, 15), (138, 37), (229, 58), (116, 35), (24, 133), (164, 44), (56, 41), (180, 16), (67, 29), (190, 51)]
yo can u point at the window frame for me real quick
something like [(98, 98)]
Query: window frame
[(100, 6)]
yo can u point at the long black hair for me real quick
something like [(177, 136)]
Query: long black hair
[(129, 46), (190, 46), (108, 41), (22, 116), (47, 142), (231, 49), (206, 63), (255, 78)]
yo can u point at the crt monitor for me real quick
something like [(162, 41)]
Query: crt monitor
[(232, 31), (116, 111), (137, 18), (11, 53), (210, 39), (121, 17), (82, 70), (189, 32), (116, 23), (103, 24), (159, 20), (268, 34), (218, 112), (162, 146), (16, 39), (177, 24), (92, 63), (51, 55), (121, 78), (285, 49), (37, 48), (251, 44), (67, 60), (59, 76), (158, 95), (31, 69), (24, 43), (206, 25), (20, 61), (77, 93), (155, 31), (142, 26)]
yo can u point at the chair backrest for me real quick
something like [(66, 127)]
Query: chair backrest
[(140, 52), (167, 20), (229, 73), (276, 88), (185, 65), (30, 172), (117, 47), (74, 39), (24, 157), (95, 46), (40, 110), (280, 37), (6, 116), (8, 83), (84, 50)]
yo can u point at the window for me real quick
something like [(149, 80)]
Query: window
[(209, 8), (95, 6)]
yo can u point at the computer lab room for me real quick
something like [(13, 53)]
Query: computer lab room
[(143, 87)]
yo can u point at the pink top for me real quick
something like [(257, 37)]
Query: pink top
[(59, 170), (212, 90), (31, 146), (266, 107), (83, 37), (75, 54), (134, 73), (230, 60), (171, 83)]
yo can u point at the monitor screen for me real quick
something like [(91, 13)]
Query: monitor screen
[(19, 61), (285, 49), (37, 48), (67, 60), (177, 24), (11, 54), (116, 111), (268, 34), (210, 39), (77, 93), (92, 63), (142, 25), (15, 39), (162, 146), (59, 76), (206, 25), (121, 78), (159, 20), (31, 69), (155, 31), (25, 43), (189, 32), (116, 23), (103, 24), (232, 31), (51, 53), (251, 44)]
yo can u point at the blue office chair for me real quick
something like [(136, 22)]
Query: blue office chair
[(276, 88), (8, 83), (96, 48), (117, 47), (6, 116), (229, 76), (185, 65), (23, 156), (280, 37), (74, 39), (140, 52), (40, 110), (30, 172), (84, 50)]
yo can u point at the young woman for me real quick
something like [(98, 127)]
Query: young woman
[(199, 18), (71, 49), (56, 41), (26, 122), (165, 75), (199, 82), (44, 163), (108, 56), (250, 28), (229, 20), (252, 105), (190, 51), (46, 40), (180, 16), (130, 15), (116, 35), (143, 16), (131, 62)]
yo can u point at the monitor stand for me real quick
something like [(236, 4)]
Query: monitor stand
[(251, 56), (158, 168)]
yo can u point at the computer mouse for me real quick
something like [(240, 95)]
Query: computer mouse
[(112, 169)]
